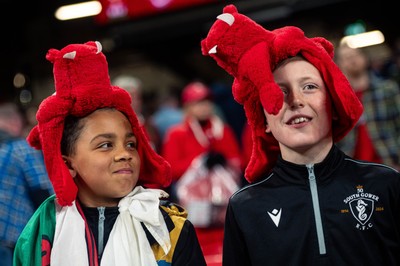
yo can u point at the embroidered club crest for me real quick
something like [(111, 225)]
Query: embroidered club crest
[(362, 207)]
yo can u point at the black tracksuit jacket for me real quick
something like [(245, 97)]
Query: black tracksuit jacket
[(337, 212)]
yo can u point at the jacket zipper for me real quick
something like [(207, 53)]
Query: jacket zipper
[(102, 217), (317, 212)]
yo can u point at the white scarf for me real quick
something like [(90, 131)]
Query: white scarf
[(127, 244)]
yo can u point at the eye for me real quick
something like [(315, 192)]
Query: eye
[(284, 90), (105, 145), (132, 144), (310, 87)]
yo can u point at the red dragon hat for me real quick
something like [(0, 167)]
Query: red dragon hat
[(249, 53), (82, 85)]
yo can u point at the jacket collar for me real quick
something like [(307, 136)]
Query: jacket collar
[(296, 173)]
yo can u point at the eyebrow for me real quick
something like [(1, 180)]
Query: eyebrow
[(308, 77), (111, 136)]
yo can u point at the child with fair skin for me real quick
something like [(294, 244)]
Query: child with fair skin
[(303, 126), (107, 208), (307, 202)]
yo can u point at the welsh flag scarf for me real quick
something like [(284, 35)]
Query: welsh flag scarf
[(36, 250), (55, 234), (28, 250)]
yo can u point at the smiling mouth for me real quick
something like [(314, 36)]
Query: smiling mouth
[(124, 171), (299, 120)]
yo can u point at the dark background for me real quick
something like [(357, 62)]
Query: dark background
[(172, 40)]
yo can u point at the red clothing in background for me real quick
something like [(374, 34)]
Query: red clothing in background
[(181, 145), (185, 142)]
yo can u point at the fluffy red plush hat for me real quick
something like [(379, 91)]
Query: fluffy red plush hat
[(83, 85), (249, 53)]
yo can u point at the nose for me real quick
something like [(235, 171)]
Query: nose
[(122, 154), (295, 99)]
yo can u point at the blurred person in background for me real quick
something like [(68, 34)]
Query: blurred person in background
[(231, 111), (392, 69), (168, 113), (376, 136), (134, 86), (24, 183), (30, 119), (197, 146), (201, 132)]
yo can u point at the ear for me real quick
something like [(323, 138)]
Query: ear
[(67, 162), (267, 128)]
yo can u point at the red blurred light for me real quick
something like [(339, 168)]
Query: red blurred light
[(116, 10)]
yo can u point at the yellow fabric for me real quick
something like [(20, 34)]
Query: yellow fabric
[(178, 218)]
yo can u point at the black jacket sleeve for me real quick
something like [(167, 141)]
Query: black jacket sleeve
[(188, 251), (234, 248)]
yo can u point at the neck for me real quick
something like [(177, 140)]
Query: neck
[(307, 155)]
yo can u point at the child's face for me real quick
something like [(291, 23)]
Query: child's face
[(305, 120), (106, 163)]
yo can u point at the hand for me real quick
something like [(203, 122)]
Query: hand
[(214, 158)]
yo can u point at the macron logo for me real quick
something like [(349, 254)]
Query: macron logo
[(275, 216)]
